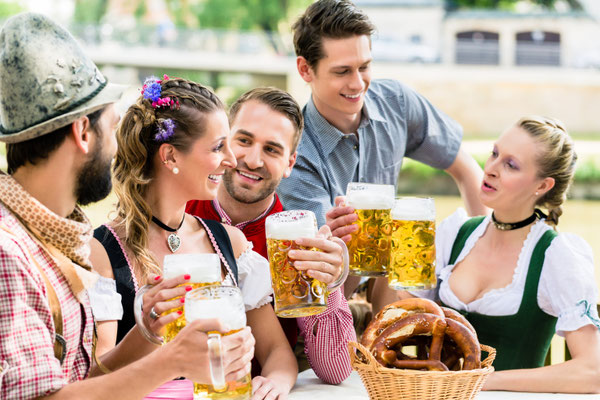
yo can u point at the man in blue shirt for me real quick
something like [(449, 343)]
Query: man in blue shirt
[(358, 130)]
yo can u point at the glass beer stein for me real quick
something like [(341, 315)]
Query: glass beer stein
[(369, 247), (413, 244), (223, 303), (203, 268), (296, 294)]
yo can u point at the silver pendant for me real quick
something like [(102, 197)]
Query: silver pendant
[(174, 242)]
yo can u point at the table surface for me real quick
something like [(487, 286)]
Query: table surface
[(309, 387)]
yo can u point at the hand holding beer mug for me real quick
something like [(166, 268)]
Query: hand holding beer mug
[(164, 299), (369, 247), (413, 244), (296, 293), (225, 304)]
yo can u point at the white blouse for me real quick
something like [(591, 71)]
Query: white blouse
[(105, 300), (567, 288), (253, 280)]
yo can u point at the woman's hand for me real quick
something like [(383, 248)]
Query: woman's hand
[(160, 298), (268, 389), (341, 218), (325, 265)]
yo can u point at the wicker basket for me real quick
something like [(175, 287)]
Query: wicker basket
[(405, 384)]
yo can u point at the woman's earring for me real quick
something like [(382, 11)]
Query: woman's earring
[(536, 193), (175, 170)]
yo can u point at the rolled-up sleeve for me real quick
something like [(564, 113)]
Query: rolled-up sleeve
[(433, 137), (326, 338)]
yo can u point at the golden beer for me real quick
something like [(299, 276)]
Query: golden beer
[(224, 303), (413, 245), (204, 270), (296, 294), (370, 247)]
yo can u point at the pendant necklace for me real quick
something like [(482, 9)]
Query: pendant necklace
[(173, 241)]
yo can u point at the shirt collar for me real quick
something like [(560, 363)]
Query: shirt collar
[(226, 220), (329, 135)]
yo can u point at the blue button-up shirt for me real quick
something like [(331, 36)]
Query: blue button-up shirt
[(396, 122)]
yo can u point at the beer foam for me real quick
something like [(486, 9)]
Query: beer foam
[(202, 267), (370, 196), (413, 209), (231, 316), (291, 225)]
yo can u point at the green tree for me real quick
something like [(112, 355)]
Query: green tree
[(89, 11), (507, 4), (265, 15), (9, 8)]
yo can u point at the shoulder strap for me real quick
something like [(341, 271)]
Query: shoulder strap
[(536, 264), (224, 243), (463, 234), (60, 345)]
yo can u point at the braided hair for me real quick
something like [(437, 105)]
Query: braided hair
[(556, 160), (137, 146)]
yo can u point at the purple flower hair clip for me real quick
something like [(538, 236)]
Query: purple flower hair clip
[(152, 90), (166, 129)]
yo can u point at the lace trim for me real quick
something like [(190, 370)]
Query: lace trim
[(263, 302), (517, 273), (521, 268), (218, 251), (135, 282)]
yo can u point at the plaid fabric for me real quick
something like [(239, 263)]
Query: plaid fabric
[(26, 325)]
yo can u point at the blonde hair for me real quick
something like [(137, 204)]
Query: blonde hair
[(133, 165), (556, 159)]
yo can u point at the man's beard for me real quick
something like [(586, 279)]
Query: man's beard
[(94, 180), (245, 196)]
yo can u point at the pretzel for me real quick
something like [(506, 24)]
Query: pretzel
[(455, 315), (395, 311), (444, 339), (387, 348)]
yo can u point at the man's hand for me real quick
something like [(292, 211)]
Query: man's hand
[(325, 265), (341, 218)]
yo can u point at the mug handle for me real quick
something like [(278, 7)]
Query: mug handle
[(345, 264), (217, 371), (138, 313)]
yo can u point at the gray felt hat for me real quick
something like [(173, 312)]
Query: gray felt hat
[(46, 80)]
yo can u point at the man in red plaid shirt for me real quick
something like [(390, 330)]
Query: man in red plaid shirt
[(58, 120)]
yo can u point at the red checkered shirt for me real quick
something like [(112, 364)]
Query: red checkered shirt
[(29, 367)]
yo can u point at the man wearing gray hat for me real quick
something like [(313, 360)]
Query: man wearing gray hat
[(58, 120)]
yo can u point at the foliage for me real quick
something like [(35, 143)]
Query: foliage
[(507, 4), (9, 8), (587, 172), (89, 11)]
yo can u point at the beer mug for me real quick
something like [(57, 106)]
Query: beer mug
[(204, 269), (296, 294), (369, 247), (223, 303), (413, 244)]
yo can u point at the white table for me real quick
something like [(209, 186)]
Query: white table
[(309, 387)]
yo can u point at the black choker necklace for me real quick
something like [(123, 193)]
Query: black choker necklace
[(173, 241), (509, 226)]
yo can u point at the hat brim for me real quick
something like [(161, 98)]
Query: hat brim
[(111, 93)]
